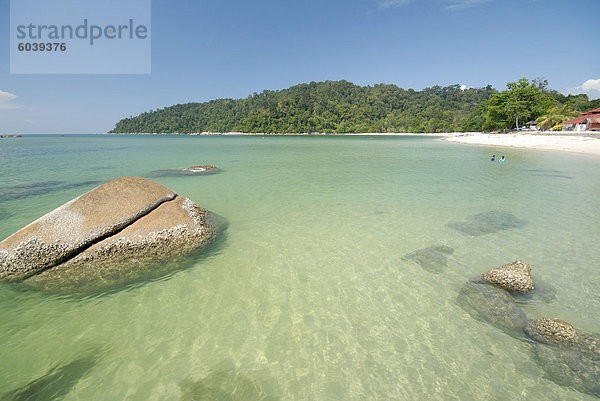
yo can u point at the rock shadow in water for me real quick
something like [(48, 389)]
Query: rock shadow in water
[(488, 303), (55, 384), (228, 384), (566, 177), (433, 259), (544, 171), (39, 188), (549, 173), (487, 223), (543, 291)]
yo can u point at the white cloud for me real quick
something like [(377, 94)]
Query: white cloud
[(454, 4), (591, 87), (5, 100), (462, 4), (383, 4)]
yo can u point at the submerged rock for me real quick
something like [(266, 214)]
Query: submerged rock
[(568, 367), (192, 170), (39, 188), (514, 276), (433, 259), (487, 223), (227, 384), (494, 305), (5, 214), (56, 383), (570, 357), (126, 218)]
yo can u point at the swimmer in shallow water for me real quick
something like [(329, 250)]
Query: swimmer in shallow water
[(502, 159), (493, 157)]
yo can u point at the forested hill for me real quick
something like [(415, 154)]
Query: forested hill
[(341, 106), (331, 106)]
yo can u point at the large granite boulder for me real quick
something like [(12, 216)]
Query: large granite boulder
[(515, 276), (126, 218)]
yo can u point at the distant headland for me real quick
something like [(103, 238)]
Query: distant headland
[(341, 107)]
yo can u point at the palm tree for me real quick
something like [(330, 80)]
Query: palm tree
[(555, 115)]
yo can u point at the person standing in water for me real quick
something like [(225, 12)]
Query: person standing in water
[(502, 159), (493, 157)]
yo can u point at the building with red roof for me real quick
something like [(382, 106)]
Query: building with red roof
[(588, 121)]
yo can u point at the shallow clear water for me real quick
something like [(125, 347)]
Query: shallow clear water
[(308, 295)]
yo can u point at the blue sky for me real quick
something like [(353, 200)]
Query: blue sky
[(207, 49)]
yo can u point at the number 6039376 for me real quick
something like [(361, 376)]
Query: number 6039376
[(42, 47)]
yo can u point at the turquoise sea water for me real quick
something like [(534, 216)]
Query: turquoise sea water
[(309, 295)]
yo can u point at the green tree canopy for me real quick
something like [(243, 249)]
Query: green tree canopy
[(331, 106), (556, 115), (341, 106), (524, 100)]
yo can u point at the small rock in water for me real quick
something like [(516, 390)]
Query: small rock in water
[(515, 276), (569, 357), (552, 331), (559, 332), (433, 259), (487, 223), (203, 169)]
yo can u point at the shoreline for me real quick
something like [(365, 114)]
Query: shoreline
[(581, 143), (440, 134), (587, 143)]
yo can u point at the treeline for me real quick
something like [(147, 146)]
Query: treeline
[(525, 101), (341, 106)]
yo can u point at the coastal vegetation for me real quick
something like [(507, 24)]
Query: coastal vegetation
[(554, 116), (341, 106)]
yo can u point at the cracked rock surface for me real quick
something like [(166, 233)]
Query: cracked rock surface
[(129, 217)]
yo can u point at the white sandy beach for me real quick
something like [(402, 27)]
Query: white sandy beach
[(577, 143), (568, 143)]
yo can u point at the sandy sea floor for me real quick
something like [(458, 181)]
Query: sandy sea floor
[(340, 276)]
